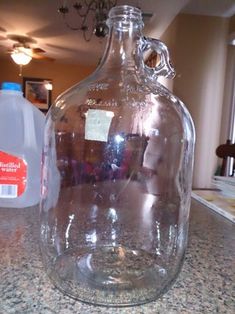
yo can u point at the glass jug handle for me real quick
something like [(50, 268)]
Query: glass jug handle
[(164, 68)]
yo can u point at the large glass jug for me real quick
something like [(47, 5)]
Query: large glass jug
[(117, 170)]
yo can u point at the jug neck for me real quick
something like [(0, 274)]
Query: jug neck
[(125, 25)]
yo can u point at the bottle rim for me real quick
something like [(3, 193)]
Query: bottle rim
[(125, 13)]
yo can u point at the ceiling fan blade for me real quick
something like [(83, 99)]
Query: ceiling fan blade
[(41, 57), (37, 50), (9, 50), (2, 29), (21, 39)]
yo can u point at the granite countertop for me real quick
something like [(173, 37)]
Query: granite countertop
[(205, 284)]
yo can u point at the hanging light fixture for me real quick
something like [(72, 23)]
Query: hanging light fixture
[(20, 57), (92, 14)]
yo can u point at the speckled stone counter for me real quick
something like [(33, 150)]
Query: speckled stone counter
[(205, 284)]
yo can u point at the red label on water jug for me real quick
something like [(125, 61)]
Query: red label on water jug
[(13, 173)]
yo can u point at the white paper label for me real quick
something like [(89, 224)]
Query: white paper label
[(97, 124)]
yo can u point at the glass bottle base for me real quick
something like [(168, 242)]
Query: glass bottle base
[(109, 275)]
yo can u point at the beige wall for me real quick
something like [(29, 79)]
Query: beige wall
[(229, 88), (199, 52), (228, 96), (62, 75)]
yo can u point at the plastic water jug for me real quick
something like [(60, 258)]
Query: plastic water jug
[(21, 140)]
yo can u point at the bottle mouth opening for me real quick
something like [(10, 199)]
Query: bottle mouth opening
[(126, 14)]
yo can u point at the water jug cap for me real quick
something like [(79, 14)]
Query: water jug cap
[(11, 86)]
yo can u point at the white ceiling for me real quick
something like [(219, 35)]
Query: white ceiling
[(40, 20), (222, 8)]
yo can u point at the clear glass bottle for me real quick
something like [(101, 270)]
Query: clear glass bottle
[(117, 174)]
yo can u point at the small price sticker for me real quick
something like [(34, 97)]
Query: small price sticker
[(98, 124)]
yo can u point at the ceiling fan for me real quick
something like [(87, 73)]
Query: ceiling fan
[(23, 46), (22, 51)]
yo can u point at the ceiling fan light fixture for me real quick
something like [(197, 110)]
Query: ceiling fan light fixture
[(21, 58)]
